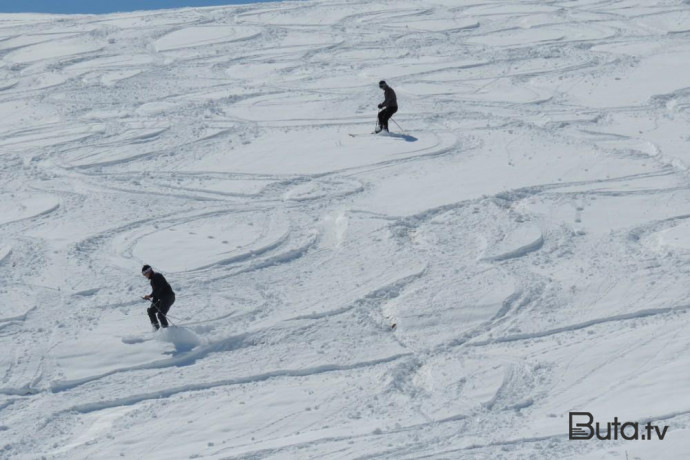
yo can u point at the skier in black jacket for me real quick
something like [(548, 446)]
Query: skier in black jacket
[(389, 106), (162, 297)]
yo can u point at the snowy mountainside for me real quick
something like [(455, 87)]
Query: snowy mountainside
[(515, 250)]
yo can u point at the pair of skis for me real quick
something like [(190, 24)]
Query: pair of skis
[(373, 133)]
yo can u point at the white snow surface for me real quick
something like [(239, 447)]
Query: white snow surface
[(451, 291)]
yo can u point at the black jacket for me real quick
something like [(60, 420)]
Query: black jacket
[(391, 99), (161, 288)]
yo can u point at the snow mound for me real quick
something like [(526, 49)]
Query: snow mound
[(182, 338), (132, 339)]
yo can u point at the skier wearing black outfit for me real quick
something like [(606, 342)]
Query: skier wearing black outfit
[(389, 106), (162, 297)]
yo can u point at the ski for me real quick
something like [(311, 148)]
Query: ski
[(361, 134), (373, 133)]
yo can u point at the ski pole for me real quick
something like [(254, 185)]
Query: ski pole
[(401, 128)]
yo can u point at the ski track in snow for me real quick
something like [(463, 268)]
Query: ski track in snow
[(451, 291)]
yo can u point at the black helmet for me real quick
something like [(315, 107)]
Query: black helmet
[(382, 83), (145, 269)]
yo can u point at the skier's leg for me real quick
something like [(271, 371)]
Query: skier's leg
[(380, 126), (162, 319), (385, 115), (393, 110), (163, 308), (389, 113), (152, 316)]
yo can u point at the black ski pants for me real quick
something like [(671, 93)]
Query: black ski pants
[(385, 115), (158, 309)]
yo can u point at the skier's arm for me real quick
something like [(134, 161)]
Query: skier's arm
[(390, 98), (383, 104), (161, 288), (385, 99), (155, 287)]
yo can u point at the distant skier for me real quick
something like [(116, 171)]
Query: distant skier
[(389, 106), (162, 297)]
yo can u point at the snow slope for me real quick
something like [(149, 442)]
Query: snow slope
[(527, 234)]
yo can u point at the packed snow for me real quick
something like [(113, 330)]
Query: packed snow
[(516, 249)]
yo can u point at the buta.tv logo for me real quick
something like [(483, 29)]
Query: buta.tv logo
[(582, 426)]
